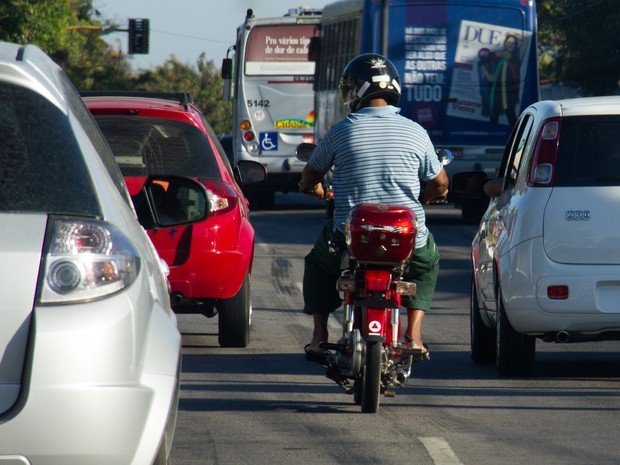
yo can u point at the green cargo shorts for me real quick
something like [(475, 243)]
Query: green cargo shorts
[(322, 268)]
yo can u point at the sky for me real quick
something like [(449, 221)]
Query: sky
[(187, 28)]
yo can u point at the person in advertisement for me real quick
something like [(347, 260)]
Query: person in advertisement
[(504, 92), (378, 156)]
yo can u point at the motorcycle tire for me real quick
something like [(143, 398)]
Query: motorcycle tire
[(371, 387)]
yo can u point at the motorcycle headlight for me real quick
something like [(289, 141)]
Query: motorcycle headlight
[(86, 260)]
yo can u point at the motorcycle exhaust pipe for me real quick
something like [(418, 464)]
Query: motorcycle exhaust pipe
[(562, 336), (401, 377)]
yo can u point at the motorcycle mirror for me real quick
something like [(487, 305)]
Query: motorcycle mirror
[(445, 156), (304, 150)]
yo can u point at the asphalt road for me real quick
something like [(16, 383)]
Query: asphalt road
[(267, 404)]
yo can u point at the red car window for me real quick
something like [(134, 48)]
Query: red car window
[(145, 146)]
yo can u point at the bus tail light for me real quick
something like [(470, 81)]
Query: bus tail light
[(542, 172), (248, 136), (245, 125)]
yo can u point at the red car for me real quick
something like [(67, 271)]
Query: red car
[(210, 261)]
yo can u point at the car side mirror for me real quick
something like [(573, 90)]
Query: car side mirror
[(167, 201), (468, 185), (304, 150), (249, 172)]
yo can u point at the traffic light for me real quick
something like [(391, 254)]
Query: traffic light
[(138, 36)]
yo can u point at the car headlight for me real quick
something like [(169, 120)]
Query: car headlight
[(86, 260)]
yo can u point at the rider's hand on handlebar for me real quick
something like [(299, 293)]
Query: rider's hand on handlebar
[(441, 199), (437, 200), (316, 191)]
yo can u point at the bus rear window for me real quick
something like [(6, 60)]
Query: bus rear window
[(279, 51)]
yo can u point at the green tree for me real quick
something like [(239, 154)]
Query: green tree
[(70, 32), (580, 44), (42, 22), (203, 81)]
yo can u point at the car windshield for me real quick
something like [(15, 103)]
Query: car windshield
[(145, 146), (589, 151), (42, 168)]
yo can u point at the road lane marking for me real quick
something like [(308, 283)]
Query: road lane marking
[(440, 451)]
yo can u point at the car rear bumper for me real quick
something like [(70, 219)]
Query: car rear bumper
[(83, 402), (592, 304)]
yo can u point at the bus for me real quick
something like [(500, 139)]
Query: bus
[(467, 69), (269, 81)]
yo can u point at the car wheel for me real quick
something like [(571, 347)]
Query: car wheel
[(235, 318), (514, 351), (482, 338)]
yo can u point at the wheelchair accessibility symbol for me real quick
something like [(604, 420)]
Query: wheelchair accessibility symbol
[(268, 141)]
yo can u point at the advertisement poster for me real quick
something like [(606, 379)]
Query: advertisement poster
[(425, 70), (279, 50), (489, 72)]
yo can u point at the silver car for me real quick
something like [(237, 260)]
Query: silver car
[(89, 348)]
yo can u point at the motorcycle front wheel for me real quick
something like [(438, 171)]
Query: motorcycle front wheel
[(371, 386)]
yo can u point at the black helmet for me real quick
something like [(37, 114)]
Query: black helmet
[(369, 76)]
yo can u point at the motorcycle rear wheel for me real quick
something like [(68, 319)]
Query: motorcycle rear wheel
[(371, 387)]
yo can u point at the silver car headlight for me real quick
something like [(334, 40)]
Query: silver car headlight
[(86, 260)]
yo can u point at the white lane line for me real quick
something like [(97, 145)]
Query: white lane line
[(440, 451)]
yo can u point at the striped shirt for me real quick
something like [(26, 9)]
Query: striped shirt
[(378, 156)]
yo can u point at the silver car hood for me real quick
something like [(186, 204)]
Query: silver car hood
[(581, 225), (21, 242)]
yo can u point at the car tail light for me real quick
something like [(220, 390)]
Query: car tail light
[(542, 172), (223, 197), (558, 292), (86, 260)]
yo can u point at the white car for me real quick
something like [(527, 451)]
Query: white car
[(89, 347), (546, 257)]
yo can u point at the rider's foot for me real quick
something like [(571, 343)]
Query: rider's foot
[(315, 354), (314, 347), (411, 344)]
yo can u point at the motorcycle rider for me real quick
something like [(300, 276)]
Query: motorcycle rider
[(378, 156)]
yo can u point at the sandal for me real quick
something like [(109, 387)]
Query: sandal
[(426, 355), (314, 355)]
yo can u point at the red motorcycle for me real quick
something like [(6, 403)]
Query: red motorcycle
[(368, 360)]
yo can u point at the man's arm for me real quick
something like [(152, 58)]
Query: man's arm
[(310, 183), (435, 188)]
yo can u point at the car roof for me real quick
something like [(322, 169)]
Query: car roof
[(607, 105), (174, 105), (28, 66)]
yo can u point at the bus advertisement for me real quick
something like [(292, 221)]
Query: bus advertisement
[(269, 81), (467, 68)]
